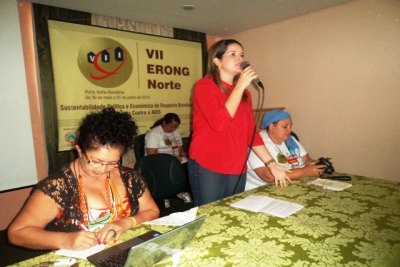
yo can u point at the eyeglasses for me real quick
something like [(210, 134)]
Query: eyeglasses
[(99, 165)]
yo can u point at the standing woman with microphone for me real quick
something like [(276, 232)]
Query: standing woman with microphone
[(223, 126)]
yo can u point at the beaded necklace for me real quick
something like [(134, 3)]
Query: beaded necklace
[(171, 142), (280, 156), (112, 199), (292, 160)]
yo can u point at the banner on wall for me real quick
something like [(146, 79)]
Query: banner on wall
[(147, 76)]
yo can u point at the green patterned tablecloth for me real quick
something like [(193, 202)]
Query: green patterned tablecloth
[(359, 226)]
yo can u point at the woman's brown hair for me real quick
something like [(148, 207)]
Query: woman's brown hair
[(217, 50)]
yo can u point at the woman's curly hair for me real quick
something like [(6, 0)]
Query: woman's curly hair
[(106, 128)]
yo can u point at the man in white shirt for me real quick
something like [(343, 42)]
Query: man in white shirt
[(284, 148)]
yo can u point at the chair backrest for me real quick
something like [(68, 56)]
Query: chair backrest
[(164, 174), (138, 146), (295, 136)]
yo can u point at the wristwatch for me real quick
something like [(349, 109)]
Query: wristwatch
[(269, 162)]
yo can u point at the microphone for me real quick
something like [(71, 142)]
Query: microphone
[(257, 81)]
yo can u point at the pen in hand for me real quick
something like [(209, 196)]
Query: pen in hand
[(81, 226)]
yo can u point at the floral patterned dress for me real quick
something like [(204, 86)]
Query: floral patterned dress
[(62, 187)]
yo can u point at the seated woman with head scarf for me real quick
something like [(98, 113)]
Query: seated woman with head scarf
[(284, 149)]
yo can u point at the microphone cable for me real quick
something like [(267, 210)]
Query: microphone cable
[(260, 104)]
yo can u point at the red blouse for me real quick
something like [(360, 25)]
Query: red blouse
[(220, 143)]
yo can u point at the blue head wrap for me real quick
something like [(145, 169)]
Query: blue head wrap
[(274, 116), (277, 115)]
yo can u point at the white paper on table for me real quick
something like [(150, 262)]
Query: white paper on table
[(81, 254), (330, 184), (176, 256), (184, 160), (176, 218), (268, 205)]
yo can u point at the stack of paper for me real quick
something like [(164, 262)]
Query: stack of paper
[(330, 184), (176, 218), (268, 205), (81, 254)]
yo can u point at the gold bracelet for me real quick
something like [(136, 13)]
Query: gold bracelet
[(133, 220), (269, 162)]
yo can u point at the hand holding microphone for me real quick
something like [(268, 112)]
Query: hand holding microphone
[(246, 64)]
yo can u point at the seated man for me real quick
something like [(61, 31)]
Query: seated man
[(284, 148)]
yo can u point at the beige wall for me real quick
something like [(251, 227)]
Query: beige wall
[(337, 71)]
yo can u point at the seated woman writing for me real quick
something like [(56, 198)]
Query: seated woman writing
[(91, 200), (284, 149), (164, 137)]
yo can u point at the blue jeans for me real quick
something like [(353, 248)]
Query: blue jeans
[(208, 186)]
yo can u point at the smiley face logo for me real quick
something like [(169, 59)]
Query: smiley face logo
[(105, 62), (70, 137)]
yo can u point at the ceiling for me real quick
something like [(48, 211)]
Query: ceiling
[(214, 17)]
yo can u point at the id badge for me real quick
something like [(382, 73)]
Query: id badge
[(292, 159)]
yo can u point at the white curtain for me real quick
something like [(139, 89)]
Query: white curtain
[(133, 26)]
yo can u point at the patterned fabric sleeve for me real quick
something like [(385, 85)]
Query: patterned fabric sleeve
[(62, 187)]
